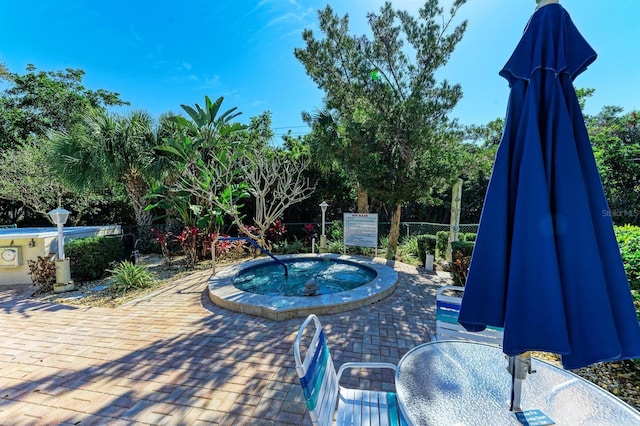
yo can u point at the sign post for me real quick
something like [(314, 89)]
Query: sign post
[(361, 230)]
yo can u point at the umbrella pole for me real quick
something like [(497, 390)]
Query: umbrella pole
[(519, 366)]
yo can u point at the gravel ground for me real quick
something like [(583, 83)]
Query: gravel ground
[(620, 378)]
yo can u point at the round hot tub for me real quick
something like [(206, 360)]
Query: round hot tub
[(341, 283)]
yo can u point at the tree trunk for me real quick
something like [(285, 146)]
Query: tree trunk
[(136, 189), (394, 233), (363, 200)]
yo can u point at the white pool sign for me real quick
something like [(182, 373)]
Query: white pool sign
[(361, 230)]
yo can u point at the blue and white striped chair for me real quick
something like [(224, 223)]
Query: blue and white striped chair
[(323, 392), (448, 303)]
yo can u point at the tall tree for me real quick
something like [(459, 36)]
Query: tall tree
[(393, 112), (36, 102)]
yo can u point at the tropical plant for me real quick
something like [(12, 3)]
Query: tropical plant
[(188, 240), (162, 239), (127, 276), (310, 233), (276, 231), (108, 149), (204, 182), (276, 182), (335, 246)]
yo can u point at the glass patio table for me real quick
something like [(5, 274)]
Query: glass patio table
[(467, 383)]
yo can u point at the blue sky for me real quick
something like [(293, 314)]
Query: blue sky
[(159, 54)]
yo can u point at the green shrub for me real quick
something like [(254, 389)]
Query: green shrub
[(408, 251), (462, 237), (465, 247), (628, 237), (426, 244), (470, 236), (442, 240), (90, 257), (127, 277)]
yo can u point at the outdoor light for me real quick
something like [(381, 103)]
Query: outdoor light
[(323, 206), (323, 238), (59, 216), (63, 282)]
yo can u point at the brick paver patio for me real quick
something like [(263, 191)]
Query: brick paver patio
[(174, 358)]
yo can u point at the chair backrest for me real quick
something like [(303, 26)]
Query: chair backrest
[(317, 374), (448, 302)]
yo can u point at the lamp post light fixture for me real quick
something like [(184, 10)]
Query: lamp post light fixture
[(323, 237), (59, 216)]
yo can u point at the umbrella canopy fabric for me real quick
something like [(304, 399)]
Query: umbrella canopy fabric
[(546, 265)]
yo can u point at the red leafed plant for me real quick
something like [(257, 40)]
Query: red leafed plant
[(188, 240), (162, 238), (43, 272)]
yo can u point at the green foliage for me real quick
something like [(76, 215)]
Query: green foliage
[(290, 247), (390, 134), (28, 177), (442, 240), (616, 146), (90, 257), (106, 149), (470, 236), (408, 250), (628, 237), (426, 245), (37, 102), (464, 247), (335, 231), (127, 277), (383, 243), (204, 179), (335, 246), (42, 272)]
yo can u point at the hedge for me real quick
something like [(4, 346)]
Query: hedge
[(91, 257)]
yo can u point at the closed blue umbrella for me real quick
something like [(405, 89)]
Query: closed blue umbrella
[(546, 265)]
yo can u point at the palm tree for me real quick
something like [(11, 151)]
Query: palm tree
[(108, 149)]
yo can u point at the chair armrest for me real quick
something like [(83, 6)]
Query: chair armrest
[(364, 365)]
